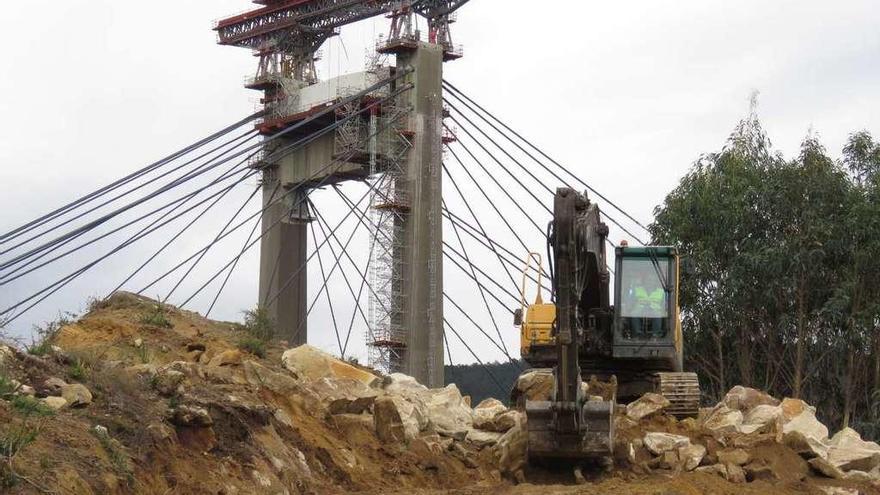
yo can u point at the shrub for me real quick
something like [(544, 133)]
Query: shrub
[(254, 346), (258, 324), (77, 370), (117, 456), (156, 316), (46, 334)]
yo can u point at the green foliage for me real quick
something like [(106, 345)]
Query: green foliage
[(258, 324), (95, 304), (77, 370), (783, 258), (254, 346), (7, 388), (117, 457), (143, 354), (21, 431), (156, 316), (45, 335), (29, 406)]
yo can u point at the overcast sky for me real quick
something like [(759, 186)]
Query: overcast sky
[(627, 94)]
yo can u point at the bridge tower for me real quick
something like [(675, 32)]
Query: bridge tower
[(407, 307)]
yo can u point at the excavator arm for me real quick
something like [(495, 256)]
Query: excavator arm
[(572, 425)]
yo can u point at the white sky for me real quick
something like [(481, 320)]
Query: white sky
[(626, 94)]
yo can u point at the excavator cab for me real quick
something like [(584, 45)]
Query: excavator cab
[(646, 320)]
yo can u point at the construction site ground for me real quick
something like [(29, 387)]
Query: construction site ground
[(158, 400)]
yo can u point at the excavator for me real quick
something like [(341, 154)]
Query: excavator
[(598, 352)]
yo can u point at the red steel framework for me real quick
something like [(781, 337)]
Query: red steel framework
[(286, 34)]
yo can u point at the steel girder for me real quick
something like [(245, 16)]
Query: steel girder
[(313, 21)]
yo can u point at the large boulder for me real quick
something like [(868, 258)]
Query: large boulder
[(535, 384), (511, 447), (191, 416), (646, 405), (482, 438), (485, 412), (723, 420), (55, 403), (396, 419), (806, 435), (691, 456), (847, 451), (761, 418), (791, 408), (232, 357), (448, 412), (54, 386), (658, 442), (745, 399), (312, 363), (76, 395)]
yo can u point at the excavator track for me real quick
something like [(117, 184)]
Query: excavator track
[(683, 391)]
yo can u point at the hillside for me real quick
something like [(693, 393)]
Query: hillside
[(139, 398)]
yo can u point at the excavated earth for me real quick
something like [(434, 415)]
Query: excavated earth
[(142, 405)]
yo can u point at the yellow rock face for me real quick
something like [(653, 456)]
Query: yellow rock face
[(309, 362)]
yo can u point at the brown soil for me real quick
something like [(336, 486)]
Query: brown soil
[(272, 434)]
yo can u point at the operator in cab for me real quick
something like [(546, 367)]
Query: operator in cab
[(644, 303)]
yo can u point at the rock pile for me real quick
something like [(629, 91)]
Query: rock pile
[(400, 409), (732, 440)]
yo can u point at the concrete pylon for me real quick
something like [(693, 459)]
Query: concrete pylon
[(421, 249), (283, 253)]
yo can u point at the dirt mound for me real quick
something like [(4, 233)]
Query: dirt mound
[(137, 397)]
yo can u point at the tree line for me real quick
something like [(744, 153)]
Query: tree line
[(780, 286)]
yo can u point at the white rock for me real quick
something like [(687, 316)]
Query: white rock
[(485, 412), (745, 399), (825, 468), (847, 451), (312, 363), (806, 434), (448, 411), (723, 420), (482, 438), (859, 476), (76, 395), (101, 430), (691, 456), (761, 417), (27, 390), (55, 403), (657, 442), (836, 490), (646, 405), (396, 419), (6, 354), (54, 386)]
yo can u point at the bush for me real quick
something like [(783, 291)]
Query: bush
[(46, 334), (120, 461), (156, 316), (77, 370), (258, 324), (254, 346), (28, 406)]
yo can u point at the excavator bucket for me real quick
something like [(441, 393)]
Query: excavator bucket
[(591, 441)]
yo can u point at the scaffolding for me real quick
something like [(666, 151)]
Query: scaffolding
[(387, 336)]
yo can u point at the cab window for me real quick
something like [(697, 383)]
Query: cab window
[(644, 303)]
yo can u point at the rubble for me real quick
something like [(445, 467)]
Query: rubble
[(302, 421), (646, 405), (659, 443)]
